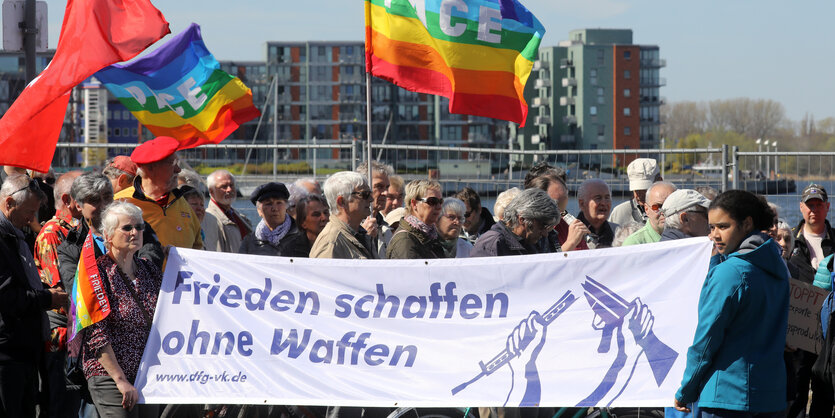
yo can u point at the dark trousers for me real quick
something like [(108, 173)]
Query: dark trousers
[(18, 389), (822, 401), (108, 400)]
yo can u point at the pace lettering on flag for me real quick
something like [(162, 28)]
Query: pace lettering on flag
[(180, 91), (95, 34), (478, 53), (88, 299)]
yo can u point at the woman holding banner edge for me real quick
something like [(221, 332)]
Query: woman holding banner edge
[(113, 346), (735, 365)]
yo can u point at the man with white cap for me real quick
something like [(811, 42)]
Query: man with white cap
[(685, 215), (642, 172), (155, 191)]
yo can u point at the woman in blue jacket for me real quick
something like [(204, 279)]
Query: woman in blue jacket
[(735, 365)]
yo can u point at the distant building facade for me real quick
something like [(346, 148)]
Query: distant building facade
[(597, 90)]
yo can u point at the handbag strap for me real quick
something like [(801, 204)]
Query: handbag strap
[(133, 294)]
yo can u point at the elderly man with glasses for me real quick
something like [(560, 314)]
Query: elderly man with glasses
[(349, 199), (416, 236), (651, 232), (155, 192), (23, 299)]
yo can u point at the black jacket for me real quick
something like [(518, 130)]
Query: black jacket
[(294, 244), (802, 259), (606, 234), (500, 241), (69, 252), (21, 307)]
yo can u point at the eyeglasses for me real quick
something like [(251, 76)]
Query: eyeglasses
[(453, 217), (128, 228), (364, 195), (33, 186), (467, 214), (655, 207), (432, 201)]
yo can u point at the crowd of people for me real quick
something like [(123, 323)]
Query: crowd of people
[(124, 218)]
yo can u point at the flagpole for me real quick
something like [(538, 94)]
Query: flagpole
[(368, 120)]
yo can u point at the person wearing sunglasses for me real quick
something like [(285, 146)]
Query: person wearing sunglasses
[(348, 197), (651, 232), (113, 347), (685, 215), (416, 236)]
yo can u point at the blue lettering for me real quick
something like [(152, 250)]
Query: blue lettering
[(231, 293)]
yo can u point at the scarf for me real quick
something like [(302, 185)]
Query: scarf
[(428, 230), (262, 231)]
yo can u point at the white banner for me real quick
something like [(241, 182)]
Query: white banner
[(601, 327)]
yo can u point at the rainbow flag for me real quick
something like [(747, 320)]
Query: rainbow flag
[(478, 53), (179, 91), (88, 299)]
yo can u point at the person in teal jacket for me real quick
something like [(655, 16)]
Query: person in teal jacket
[(735, 366)]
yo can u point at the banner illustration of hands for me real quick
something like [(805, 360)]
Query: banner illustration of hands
[(611, 311)]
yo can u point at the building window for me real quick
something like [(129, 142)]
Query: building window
[(627, 131), (627, 111), (593, 110), (627, 55), (593, 73), (601, 130), (117, 132), (626, 74), (600, 91), (627, 93)]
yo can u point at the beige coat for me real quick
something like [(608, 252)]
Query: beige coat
[(337, 240), (222, 234)]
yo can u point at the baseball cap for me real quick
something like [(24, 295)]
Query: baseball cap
[(682, 199), (271, 189), (154, 150), (641, 173), (813, 191), (123, 163)]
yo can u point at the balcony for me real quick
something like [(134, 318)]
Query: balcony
[(569, 81), (654, 63), (540, 65), (569, 43), (542, 120), (536, 139), (565, 63), (653, 82), (540, 101), (542, 83), (567, 139), (570, 119), (568, 101)]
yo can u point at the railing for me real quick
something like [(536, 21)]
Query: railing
[(779, 175)]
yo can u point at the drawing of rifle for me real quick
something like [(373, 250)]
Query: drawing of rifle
[(504, 356), (609, 311)]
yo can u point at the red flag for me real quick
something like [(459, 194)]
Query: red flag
[(95, 34)]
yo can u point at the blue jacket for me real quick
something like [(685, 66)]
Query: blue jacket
[(736, 360)]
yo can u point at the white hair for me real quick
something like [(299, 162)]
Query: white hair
[(624, 231), (531, 205), (376, 168), (453, 205), (22, 183), (110, 216), (502, 201), (212, 179), (342, 184)]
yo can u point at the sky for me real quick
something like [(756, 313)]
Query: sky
[(715, 49)]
